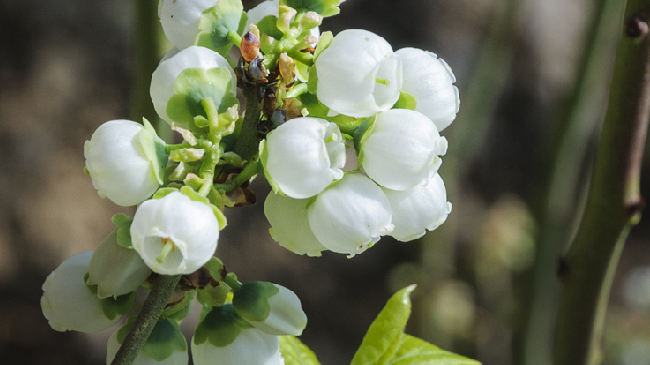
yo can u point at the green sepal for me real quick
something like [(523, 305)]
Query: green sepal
[(165, 339), (192, 86), (360, 135), (302, 72), (163, 192), (323, 7), (219, 327), (383, 337), (405, 101), (316, 109), (213, 295), (323, 42), (295, 352), (216, 22), (251, 301), (186, 154), (193, 195), (115, 307), (122, 225), (215, 268), (414, 351), (312, 80), (231, 158), (153, 147), (179, 310), (268, 25)]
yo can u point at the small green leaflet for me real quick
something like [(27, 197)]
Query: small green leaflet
[(295, 352), (414, 351), (122, 225), (323, 7)]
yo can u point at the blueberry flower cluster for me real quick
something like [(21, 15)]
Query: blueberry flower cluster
[(310, 98)]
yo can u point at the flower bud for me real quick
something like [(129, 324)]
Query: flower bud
[(302, 156), (116, 270), (180, 19), (68, 304), (117, 163), (358, 75), (430, 81), (401, 149), (223, 335), (165, 346), (271, 308), (418, 209), (163, 78), (290, 226), (350, 215), (174, 235)]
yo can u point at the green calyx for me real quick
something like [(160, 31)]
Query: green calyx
[(198, 93), (325, 8), (219, 327), (193, 195), (361, 133), (165, 339), (251, 301), (122, 225), (154, 149), (112, 307), (219, 24), (181, 309), (405, 101)]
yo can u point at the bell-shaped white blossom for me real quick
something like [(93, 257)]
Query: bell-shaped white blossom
[(401, 149), (271, 308), (418, 209), (250, 347), (117, 164), (289, 224), (303, 156), (180, 19), (68, 304), (174, 235), (163, 78), (177, 357), (116, 270), (358, 74), (429, 80), (350, 215)]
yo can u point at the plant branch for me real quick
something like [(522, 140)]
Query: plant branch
[(247, 143), (613, 204), (153, 306)]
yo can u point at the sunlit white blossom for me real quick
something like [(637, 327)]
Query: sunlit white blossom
[(180, 19)]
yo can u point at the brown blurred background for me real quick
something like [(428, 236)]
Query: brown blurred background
[(485, 278)]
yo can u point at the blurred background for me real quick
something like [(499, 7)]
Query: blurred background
[(533, 79)]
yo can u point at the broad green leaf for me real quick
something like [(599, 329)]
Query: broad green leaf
[(122, 225), (323, 7), (295, 352), (383, 337), (414, 351), (165, 339), (405, 101), (216, 22)]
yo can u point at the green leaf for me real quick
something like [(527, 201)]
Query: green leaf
[(122, 225), (383, 337), (414, 351), (323, 42), (405, 101), (323, 7), (165, 339), (216, 22), (295, 352), (193, 195), (113, 307), (268, 25), (312, 81), (192, 86)]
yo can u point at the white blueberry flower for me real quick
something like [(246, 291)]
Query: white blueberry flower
[(262, 10), (401, 149), (174, 235), (418, 209), (177, 357), (429, 80), (250, 347), (180, 19), (163, 78), (303, 156), (271, 308), (358, 74), (290, 226), (350, 215), (116, 270), (68, 304), (117, 164)]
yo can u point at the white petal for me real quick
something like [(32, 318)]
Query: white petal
[(289, 225), (348, 71), (68, 304), (251, 347), (416, 210), (350, 215), (262, 10), (303, 156), (180, 19), (430, 81), (191, 225), (402, 149), (117, 165), (286, 316), (163, 78)]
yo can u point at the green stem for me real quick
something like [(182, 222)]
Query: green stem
[(613, 204), (247, 143), (303, 57), (234, 38), (153, 306), (206, 171), (246, 174)]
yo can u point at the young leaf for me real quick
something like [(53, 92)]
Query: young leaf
[(384, 335), (295, 352), (323, 7), (414, 351)]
